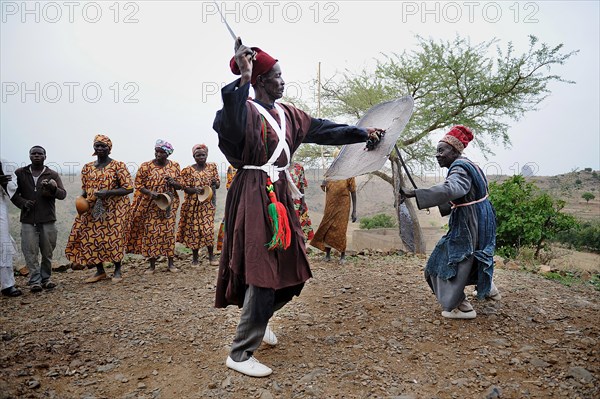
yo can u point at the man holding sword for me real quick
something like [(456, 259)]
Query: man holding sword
[(259, 136)]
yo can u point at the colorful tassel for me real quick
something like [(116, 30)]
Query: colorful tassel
[(280, 224)]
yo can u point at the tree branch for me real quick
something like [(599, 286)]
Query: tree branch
[(383, 176)]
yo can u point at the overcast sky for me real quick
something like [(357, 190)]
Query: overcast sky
[(142, 70)]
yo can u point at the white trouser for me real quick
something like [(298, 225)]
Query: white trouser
[(7, 274)]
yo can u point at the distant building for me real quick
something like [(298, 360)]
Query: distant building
[(526, 171)]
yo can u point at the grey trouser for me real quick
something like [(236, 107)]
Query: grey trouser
[(259, 306), (450, 293), (35, 239)]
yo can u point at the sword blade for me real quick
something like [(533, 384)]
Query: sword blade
[(233, 35)]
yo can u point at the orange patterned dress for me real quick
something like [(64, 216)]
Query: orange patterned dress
[(152, 230), (231, 171), (102, 238), (299, 177), (197, 219), (332, 230)]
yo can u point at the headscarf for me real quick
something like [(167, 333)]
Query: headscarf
[(100, 138), (261, 64), (199, 147), (165, 146), (458, 137)]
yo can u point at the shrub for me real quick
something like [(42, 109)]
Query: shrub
[(379, 221), (585, 236), (565, 278), (526, 216)]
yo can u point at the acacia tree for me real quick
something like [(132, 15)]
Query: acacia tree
[(587, 196), (451, 82)]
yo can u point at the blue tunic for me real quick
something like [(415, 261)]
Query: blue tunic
[(471, 238)]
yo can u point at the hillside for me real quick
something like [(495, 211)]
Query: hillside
[(374, 196)]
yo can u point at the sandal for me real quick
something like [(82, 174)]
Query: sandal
[(48, 285), (95, 278), (35, 287)]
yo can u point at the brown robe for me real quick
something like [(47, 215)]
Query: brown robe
[(245, 258)]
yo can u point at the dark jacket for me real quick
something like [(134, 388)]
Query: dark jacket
[(44, 210)]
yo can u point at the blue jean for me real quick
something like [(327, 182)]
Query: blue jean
[(35, 239)]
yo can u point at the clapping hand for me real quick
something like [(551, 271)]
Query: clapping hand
[(101, 193), (170, 181), (28, 205), (48, 187), (4, 179)]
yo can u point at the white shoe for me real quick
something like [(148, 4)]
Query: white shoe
[(494, 294), (465, 306), (250, 367), (270, 338), (459, 314)]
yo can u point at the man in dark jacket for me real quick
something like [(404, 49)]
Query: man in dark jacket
[(37, 189)]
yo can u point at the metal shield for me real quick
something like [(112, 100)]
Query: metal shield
[(406, 228), (354, 159)]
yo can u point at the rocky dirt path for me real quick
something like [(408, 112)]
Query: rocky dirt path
[(368, 329)]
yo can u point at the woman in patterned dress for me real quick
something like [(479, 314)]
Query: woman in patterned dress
[(152, 230), (332, 230), (197, 219), (297, 173), (99, 235)]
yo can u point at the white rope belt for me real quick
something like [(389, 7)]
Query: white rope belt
[(469, 203)]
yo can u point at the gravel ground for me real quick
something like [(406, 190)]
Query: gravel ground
[(367, 329)]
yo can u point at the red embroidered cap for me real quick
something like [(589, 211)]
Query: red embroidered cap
[(458, 137), (262, 64)]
